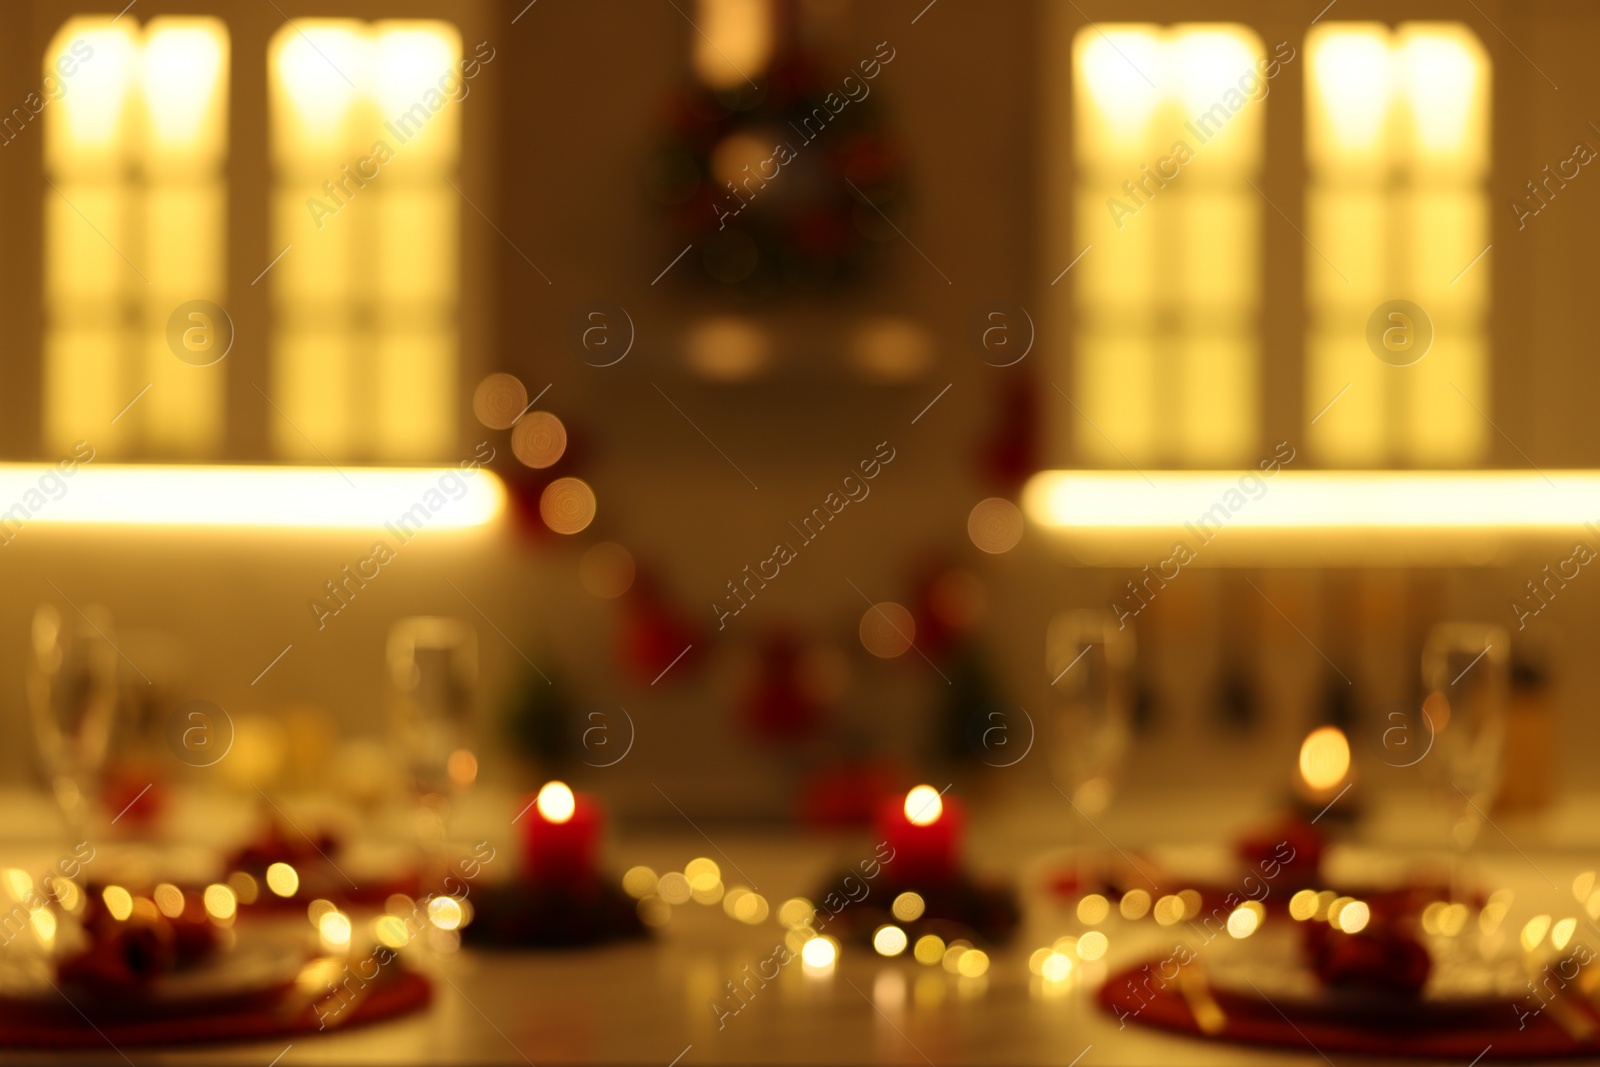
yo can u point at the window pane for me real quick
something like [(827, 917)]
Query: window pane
[(366, 141)]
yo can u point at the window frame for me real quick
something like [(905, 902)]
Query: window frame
[(247, 436)]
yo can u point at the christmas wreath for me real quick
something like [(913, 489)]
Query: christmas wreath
[(783, 188)]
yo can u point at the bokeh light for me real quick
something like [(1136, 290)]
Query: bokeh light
[(674, 888), (1093, 909), (1354, 916), (444, 912), (498, 400), (1533, 932), (907, 907), (1135, 904), (391, 931), (889, 940), (1324, 757), (221, 903), (567, 505), (244, 886), (929, 949), (1242, 922), (1093, 945), (887, 630), (462, 767), (119, 902), (923, 805), (639, 882), (334, 930), (283, 879), (169, 900), (556, 802), (538, 440), (796, 911), (819, 954), (995, 525)]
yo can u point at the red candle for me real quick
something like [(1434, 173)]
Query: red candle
[(924, 830), (561, 836)]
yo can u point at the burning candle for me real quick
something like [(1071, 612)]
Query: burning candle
[(1324, 764), (924, 830), (561, 836)]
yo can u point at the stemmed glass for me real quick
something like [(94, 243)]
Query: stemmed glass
[(1465, 669), (433, 674), (72, 692), (1089, 662)]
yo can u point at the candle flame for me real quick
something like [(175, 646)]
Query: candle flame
[(556, 802), (923, 806), (1324, 757)]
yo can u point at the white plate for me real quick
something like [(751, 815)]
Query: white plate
[(1270, 966), (261, 959)]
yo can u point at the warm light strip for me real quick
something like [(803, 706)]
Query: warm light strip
[(262, 497), (1104, 501)]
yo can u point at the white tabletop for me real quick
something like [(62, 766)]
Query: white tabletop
[(647, 1004)]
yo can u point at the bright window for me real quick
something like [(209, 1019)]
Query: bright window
[(366, 136), (134, 224), (1397, 144), (1167, 136)]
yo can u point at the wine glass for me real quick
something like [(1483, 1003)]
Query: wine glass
[(72, 692), (1089, 661), (1466, 673), (433, 674)]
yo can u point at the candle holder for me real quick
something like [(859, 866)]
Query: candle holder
[(918, 882), (561, 899)]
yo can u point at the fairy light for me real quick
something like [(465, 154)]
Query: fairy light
[(169, 899), (334, 930), (796, 911), (391, 931), (1533, 932), (1242, 922), (819, 954), (222, 904), (929, 949), (639, 882), (907, 907), (1093, 945), (1354, 916), (1169, 910), (119, 902), (283, 879), (953, 953), (889, 940), (444, 912), (18, 883)]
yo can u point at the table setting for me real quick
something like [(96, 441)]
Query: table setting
[(299, 919)]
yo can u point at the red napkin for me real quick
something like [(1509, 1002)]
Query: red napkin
[(59, 1024), (1493, 1034)]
